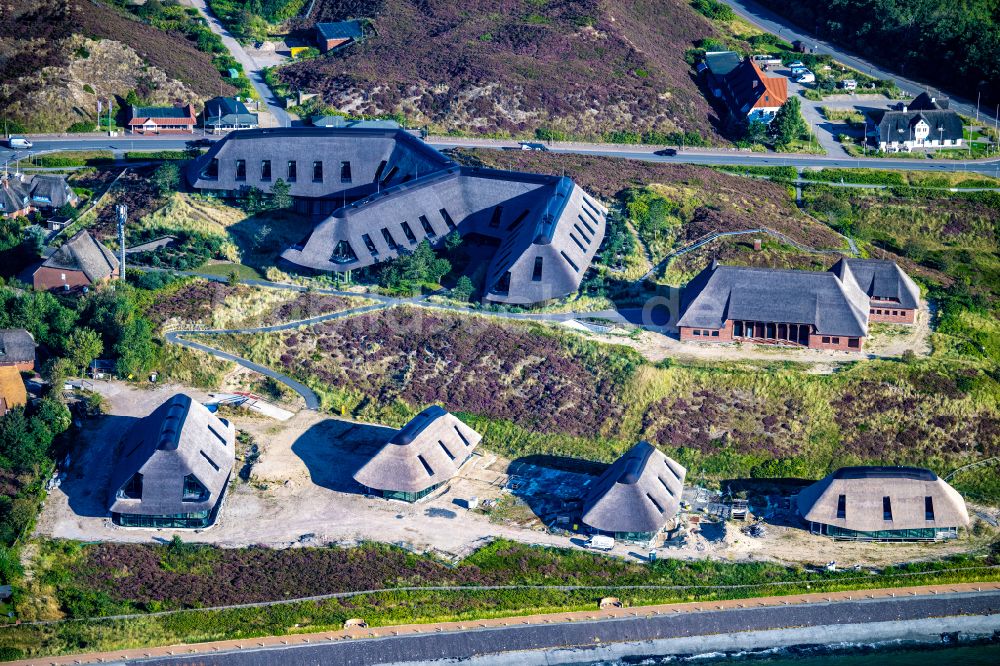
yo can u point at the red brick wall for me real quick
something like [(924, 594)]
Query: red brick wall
[(333, 43), (46, 278), (883, 313), (725, 334), (816, 342), (22, 367)]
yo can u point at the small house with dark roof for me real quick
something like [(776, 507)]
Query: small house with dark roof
[(338, 34), (420, 458), (815, 309), (636, 496), (924, 123), (883, 504), (172, 467), (15, 196), (162, 119), (51, 191), (224, 114), (748, 92), (12, 391), (17, 349), (81, 262)]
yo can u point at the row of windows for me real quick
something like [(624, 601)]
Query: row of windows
[(851, 342), (195, 520), (886, 507), (713, 334), (193, 489), (291, 171), (344, 252), (894, 313)]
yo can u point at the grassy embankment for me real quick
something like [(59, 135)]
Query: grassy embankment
[(86, 582)]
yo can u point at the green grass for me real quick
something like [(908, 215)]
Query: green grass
[(71, 158), (243, 272), (516, 564)]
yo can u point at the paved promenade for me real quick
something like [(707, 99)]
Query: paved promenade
[(566, 630)]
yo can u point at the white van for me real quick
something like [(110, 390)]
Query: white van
[(806, 77), (18, 142), (601, 542)]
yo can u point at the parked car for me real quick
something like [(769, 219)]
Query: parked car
[(667, 152), (19, 142), (601, 542), (798, 70), (533, 146), (806, 77), (797, 63), (848, 84)]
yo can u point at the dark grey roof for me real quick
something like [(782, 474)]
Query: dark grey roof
[(179, 438), (720, 293), (51, 190), (14, 195), (16, 346), (340, 30), (427, 451), (925, 102), (721, 63), (83, 253), (876, 472), (227, 111), (160, 112), (407, 190), (899, 125), (640, 492), (881, 280)]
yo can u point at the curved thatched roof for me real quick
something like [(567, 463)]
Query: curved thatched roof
[(427, 451), (864, 490), (640, 492), (181, 437)]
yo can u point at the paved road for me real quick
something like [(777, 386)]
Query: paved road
[(707, 158), (250, 66), (472, 643), (777, 24), (312, 400)]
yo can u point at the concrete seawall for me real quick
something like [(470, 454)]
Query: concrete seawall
[(927, 631)]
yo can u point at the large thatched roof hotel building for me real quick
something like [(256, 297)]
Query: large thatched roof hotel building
[(883, 504)]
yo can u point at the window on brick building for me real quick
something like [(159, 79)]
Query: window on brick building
[(826, 339)]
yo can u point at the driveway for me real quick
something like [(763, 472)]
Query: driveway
[(250, 66)]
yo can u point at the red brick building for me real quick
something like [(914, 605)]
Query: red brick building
[(162, 120), (81, 262), (17, 349), (330, 36), (819, 310)]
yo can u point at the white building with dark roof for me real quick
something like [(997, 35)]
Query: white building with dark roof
[(883, 504), (636, 496), (421, 457), (172, 467), (925, 123)]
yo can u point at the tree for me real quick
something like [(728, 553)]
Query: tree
[(253, 200), (756, 132), (462, 291), (233, 278), (167, 177), (788, 124), (135, 350), (453, 241), (132, 98), (82, 346), (34, 241), (281, 194)]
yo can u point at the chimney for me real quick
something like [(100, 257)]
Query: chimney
[(905, 108), (933, 100)]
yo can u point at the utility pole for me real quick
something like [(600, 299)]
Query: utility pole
[(978, 97), (122, 211)]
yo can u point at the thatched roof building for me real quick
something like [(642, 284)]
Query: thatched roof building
[(173, 467), (420, 458), (636, 496), (883, 504), (12, 391)]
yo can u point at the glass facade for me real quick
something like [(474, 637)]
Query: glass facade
[(189, 520), (410, 497), (917, 534), (635, 537)]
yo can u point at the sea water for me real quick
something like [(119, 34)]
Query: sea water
[(865, 655)]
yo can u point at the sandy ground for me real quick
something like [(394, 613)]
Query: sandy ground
[(658, 345), (301, 492)]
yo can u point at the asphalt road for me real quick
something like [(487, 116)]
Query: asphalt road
[(129, 143), (467, 644), (777, 24)]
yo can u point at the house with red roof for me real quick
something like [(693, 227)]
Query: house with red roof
[(747, 91), (162, 120)]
